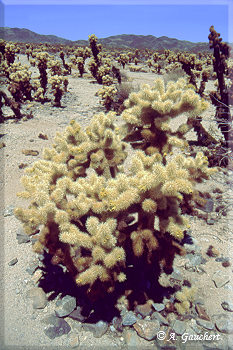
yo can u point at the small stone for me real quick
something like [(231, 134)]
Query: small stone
[(179, 327), (160, 318), (144, 309), (22, 238), (212, 251), (65, 306), (220, 279), (37, 276), (43, 136), (38, 296), (205, 324), (226, 263), (32, 267), (9, 211), (195, 260), (13, 262), (210, 221), (30, 152), (158, 306), (56, 327), (117, 323), (224, 324), (194, 326), (147, 329), (227, 305), (2, 144), (74, 341), (98, 329), (22, 165), (129, 319), (76, 314), (202, 312), (132, 340), (208, 206)]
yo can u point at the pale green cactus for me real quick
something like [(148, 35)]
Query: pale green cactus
[(86, 189)]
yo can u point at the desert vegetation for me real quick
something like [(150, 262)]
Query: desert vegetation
[(111, 201)]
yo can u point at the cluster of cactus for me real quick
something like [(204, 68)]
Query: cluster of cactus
[(67, 68), (221, 98), (12, 104), (58, 85), (42, 61), (10, 52), (107, 94), (104, 220), (20, 82)]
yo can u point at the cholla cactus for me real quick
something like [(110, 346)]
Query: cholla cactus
[(107, 94), (57, 84), (42, 61), (80, 64), (20, 85), (184, 298), (10, 51), (83, 196), (95, 47), (55, 67)]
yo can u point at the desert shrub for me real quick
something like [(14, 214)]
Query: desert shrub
[(114, 227)]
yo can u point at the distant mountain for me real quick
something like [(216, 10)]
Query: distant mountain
[(23, 35), (116, 41)]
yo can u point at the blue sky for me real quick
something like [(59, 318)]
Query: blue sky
[(184, 20)]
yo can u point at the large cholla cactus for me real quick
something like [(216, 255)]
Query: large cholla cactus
[(97, 214)]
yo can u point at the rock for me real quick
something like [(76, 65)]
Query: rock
[(13, 262), (129, 319), (208, 206), (158, 306), (9, 211), (65, 306), (147, 329), (194, 326), (160, 318), (30, 152), (224, 324), (22, 165), (22, 238), (98, 329), (32, 267), (202, 312), (220, 279), (226, 263), (37, 276), (117, 323), (43, 136), (132, 340), (74, 341), (144, 309), (76, 314), (227, 305), (2, 144), (212, 251), (210, 221), (38, 296), (179, 327), (205, 324), (56, 327), (195, 259)]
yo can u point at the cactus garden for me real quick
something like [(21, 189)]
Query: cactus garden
[(117, 172)]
